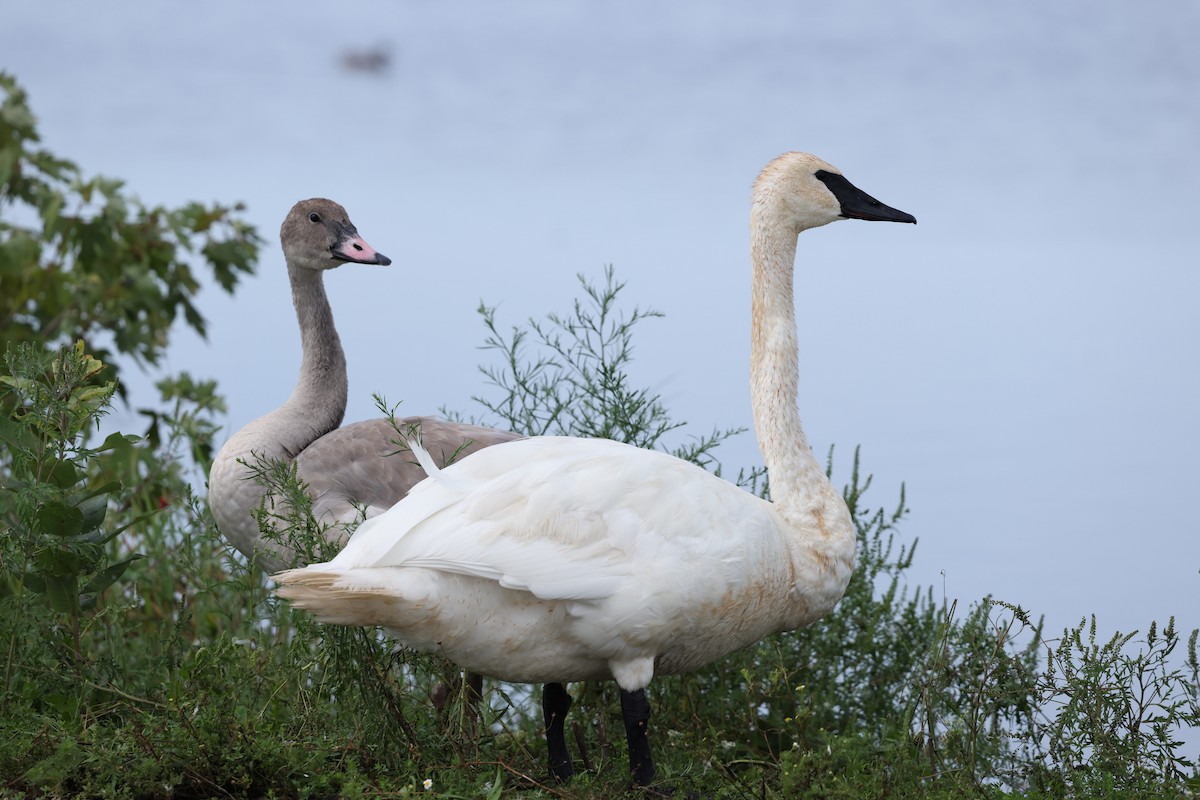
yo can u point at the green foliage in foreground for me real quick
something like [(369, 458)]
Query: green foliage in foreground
[(83, 260), (185, 678), (80, 258)]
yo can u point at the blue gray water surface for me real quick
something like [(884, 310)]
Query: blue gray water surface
[(1025, 358)]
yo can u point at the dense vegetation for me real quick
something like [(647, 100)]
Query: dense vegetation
[(139, 657)]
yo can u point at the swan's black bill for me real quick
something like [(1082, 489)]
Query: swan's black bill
[(857, 204)]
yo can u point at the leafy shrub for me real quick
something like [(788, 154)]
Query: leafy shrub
[(1113, 716), (576, 383), (90, 262)]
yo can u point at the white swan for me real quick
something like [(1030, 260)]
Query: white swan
[(564, 559), (343, 467)]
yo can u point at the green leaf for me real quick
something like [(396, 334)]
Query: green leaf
[(94, 510), (22, 385), (50, 212), (73, 560), (497, 786), (116, 440), (64, 475), (108, 576), (62, 593), (105, 537), (58, 519)]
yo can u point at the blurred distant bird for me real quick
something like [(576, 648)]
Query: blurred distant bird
[(376, 59)]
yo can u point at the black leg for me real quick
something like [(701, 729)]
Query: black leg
[(555, 705), (474, 691), (635, 708)]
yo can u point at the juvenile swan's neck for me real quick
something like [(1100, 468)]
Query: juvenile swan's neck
[(318, 402), (797, 480)]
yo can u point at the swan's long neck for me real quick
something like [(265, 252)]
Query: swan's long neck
[(318, 402), (315, 408), (797, 479)]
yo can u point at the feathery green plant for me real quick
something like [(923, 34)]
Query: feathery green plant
[(577, 383), (1114, 713)]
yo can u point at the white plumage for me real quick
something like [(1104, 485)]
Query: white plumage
[(574, 560), (560, 559)]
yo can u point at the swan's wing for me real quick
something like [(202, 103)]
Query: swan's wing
[(358, 466), (561, 518)]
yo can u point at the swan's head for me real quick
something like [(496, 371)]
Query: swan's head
[(802, 191), (318, 234)]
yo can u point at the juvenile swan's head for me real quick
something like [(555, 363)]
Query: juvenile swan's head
[(318, 234)]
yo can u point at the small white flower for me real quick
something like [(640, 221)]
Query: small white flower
[(428, 784)]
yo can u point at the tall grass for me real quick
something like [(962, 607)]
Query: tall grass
[(142, 658)]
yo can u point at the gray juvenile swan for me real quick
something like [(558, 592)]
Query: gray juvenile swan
[(342, 466), (555, 559)]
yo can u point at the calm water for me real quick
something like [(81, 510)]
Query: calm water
[(1024, 359)]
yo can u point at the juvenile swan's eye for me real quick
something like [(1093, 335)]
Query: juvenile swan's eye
[(314, 217)]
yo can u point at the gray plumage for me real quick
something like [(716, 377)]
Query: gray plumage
[(346, 468)]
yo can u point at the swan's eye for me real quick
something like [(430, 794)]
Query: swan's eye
[(314, 217)]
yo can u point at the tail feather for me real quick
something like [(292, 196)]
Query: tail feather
[(319, 593), (431, 468)]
